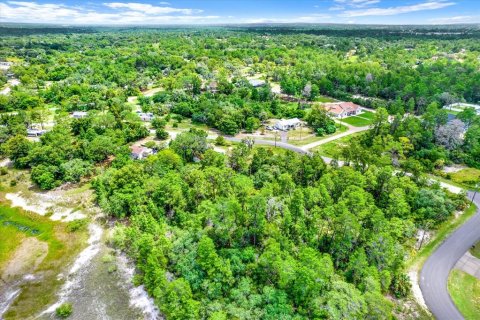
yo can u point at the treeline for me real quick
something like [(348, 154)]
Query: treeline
[(267, 235)]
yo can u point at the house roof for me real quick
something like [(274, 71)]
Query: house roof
[(288, 122), (79, 113), (256, 82), (341, 107), (139, 149)]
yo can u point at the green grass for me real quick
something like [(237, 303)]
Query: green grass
[(332, 148), (442, 232), (468, 177), (475, 250), (62, 247), (358, 121), (367, 114), (465, 292), (324, 99), (294, 135)]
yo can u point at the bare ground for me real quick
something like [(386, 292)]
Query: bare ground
[(26, 259)]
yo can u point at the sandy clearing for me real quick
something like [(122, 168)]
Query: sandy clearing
[(26, 259), (42, 206)]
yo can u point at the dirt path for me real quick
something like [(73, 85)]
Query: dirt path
[(26, 259)]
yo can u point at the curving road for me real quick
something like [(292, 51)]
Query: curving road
[(435, 271)]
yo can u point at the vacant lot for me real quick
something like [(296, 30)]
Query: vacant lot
[(467, 177), (332, 148), (17, 228)]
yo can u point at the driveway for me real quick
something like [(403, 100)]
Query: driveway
[(434, 274)]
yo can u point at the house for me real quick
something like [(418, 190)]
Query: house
[(342, 109), (145, 116), (287, 124), (256, 83), (140, 152), (79, 114), (35, 132)]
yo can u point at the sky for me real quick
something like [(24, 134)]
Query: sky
[(148, 12)]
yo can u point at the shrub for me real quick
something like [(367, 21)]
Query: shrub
[(161, 134), (220, 141), (64, 310)]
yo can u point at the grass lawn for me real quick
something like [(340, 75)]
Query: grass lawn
[(465, 292), (367, 114), (184, 124), (358, 121), (324, 99), (475, 250), (294, 135), (15, 226), (332, 148), (468, 177)]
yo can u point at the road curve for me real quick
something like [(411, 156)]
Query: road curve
[(435, 271)]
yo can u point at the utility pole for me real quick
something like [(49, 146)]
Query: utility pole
[(275, 134), (475, 191)]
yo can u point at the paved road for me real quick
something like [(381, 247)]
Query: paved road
[(282, 145), (434, 274)]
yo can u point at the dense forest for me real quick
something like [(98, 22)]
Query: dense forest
[(256, 233)]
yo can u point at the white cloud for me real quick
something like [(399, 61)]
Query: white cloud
[(456, 19), (149, 9), (430, 5), (343, 4), (312, 18), (118, 13), (357, 3)]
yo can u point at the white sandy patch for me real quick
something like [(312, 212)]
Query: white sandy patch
[(453, 169), (417, 292), (139, 298), (44, 205), (4, 163), (81, 263)]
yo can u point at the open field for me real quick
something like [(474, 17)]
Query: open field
[(306, 135), (467, 177), (465, 292), (61, 243), (332, 148)]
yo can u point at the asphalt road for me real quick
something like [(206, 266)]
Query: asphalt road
[(435, 271)]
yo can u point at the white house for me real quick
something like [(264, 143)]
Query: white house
[(145, 116), (257, 83), (35, 132), (79, 114), (288, 124)]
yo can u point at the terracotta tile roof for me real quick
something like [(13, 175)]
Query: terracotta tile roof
[(340, 107)]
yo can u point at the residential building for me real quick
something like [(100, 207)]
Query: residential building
[(342, 109), (288, 124), (140, 152), (256, 83), (79, 114), (145, 116)]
